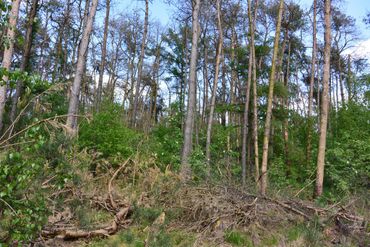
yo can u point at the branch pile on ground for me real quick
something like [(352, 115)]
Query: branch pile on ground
[(120, 210), (214, 208)]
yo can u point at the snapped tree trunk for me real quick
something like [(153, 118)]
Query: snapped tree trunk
[(324, 103), (189, 121), (81, 61), (266, 135), (8, 54), (214, 89)]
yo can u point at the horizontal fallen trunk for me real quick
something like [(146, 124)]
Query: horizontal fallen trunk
[(119, 219)]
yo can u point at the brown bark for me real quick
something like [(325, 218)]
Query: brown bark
[(214, 89), (324, 104), (81, 61), (7, 56), (189, 121), (255, 99), (266, 136), (247, 98)]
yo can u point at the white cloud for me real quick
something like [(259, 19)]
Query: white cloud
[(360, 50)]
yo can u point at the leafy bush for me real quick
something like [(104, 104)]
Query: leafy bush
[(348, 154), (167, 140), (23, 209), (107, 134)]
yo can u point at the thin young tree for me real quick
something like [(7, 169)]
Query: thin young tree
[(312, 81), (26, 56), (103, 57), (252, 21), (324, 102), (266, 136), (80, 68), (140, 65), (247, 97), (8, 54), (215, 84), (189, 121)]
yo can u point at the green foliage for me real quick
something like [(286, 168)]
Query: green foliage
[(108, 135), (198, 164), (22, 201), (238, 239), (348, 155), (146, 216), (167, 139)]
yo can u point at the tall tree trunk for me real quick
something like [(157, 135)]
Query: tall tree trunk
[(312, 81), (247, 99), (81, 61), (59, 56), (255, 99), (102, 60), (266, 136), (189, 121), (8, 54), (206, 83), (26, 57), (324, 103), (140, 65), (214, 89), (286, 119)]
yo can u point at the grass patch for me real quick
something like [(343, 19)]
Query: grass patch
[(136, 237), (238, 239)]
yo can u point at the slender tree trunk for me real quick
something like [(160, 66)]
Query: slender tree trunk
[(341, 82), (140, 65), (255, 99), (60, 57), (81, 61), (324, 104), (8, 54), (189, 121), (286, 119), (349, 78), (266, 136), (247, 98), (26, 57), (233, 76), (102, 60), (312, 81), (214, 90), (206, 83)]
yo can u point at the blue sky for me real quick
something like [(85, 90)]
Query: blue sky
[(162, 12)]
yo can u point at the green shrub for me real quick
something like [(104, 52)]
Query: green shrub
[(167, 139), (107, 134), (23, 209)]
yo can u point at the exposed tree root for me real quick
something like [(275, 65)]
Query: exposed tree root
[(120, 218)]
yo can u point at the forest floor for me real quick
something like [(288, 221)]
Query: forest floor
[(133, 206)]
